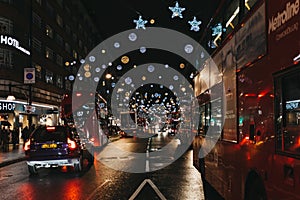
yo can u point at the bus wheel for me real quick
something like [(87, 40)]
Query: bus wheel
[(254, 188)]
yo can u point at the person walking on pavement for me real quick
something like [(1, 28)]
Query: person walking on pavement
[(15, 137), (25, 135), (5, 134)]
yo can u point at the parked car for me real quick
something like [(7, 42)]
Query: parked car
[(55, 146)]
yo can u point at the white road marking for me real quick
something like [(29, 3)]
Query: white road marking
[(134, 195), (96, 190)]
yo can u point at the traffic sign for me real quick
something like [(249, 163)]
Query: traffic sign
[(29, 75)]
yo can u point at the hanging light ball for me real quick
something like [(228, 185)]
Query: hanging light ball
[(124, 59), (86, 67), (87, 74), (152, 21)]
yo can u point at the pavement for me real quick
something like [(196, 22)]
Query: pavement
[(12, 155)]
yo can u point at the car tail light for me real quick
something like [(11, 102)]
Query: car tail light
[(72, 144), (51, 128), (27, 145)]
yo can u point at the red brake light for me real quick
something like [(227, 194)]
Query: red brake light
[(50, 128), (27, 145), (71, 143)]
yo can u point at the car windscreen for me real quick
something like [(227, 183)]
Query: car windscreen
[(44, 135)]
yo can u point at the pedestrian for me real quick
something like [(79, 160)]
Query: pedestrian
[(1, 137), (15, 137), (25, 135), (31, 129), (5, 134)]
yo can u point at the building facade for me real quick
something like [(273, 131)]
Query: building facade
[(41, 45)]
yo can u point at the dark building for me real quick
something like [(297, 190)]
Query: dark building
[(41, 45)]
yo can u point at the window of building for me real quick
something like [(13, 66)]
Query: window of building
[(68, 10), (59, 60), (74, 36), (68, 85), (6, 26), (60, 3), (287, 112), (80, 44), (59, 20), (68, 29), (6, 1), (49, 77), (39, 2), (49, 31), (36, 44), (6, 58), (36, 19), (59, 40), (67, 47), (75, 55), (49, 9), (38, 71), (59, 81), (49, 53)]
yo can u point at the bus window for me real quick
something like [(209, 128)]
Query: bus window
[(288, 113)]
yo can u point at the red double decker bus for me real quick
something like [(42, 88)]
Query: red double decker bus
[(258, 151), (89, 119)]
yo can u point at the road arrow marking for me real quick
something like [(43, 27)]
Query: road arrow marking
[(134, 195)]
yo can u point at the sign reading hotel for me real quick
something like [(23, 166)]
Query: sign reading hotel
[(10, 41)]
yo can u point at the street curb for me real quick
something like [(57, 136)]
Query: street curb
[(9, 162)]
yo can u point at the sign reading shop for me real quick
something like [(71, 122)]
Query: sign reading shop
[(7, 107)]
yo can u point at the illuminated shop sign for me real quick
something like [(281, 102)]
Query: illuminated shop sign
[(7, 40), (6, 107), (283, 16)]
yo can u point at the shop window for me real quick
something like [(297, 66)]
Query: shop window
[(6, 26), (49, 77), (287, 112)]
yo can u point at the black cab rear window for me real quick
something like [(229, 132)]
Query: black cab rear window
[(53, 133)]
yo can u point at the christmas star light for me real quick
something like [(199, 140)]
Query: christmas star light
[(217, 29), (195, 24), (140, 23), (177, 10)]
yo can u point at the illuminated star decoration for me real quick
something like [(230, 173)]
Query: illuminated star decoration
[(195, 24), (217, 29), (140, 23), (176, 10)]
